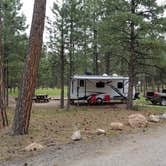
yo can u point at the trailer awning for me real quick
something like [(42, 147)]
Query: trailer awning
[(96, 77)]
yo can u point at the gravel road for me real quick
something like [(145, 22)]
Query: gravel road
[(146, 148)]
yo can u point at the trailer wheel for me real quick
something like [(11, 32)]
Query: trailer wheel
[(91, 100), (99, 101), (163, 101), (71, 102)]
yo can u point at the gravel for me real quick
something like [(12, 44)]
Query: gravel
[(147, 148)]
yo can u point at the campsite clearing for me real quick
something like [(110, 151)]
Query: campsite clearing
[(50, 126)]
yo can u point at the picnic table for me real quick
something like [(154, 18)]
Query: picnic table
[(41, 98)]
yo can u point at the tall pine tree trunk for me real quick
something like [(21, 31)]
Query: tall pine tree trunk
[(131, 82), (131, 65), (2, 104), (24, 102), (3, 116), (95, 53), (71, 52), (107, 62), (62, 62)]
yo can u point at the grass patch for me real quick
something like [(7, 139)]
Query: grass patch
[(49, 91), (153, 107), (142, 104), (141, 100), (13, 93)]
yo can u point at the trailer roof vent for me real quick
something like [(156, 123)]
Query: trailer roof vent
[(115, 75), (105, 75)]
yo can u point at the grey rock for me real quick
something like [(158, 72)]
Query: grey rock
[(76, 136)]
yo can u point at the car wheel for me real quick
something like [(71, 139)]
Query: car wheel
[(163, 102), (154, 102)]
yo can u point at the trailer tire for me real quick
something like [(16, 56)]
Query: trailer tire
[(163, 102), (99, 101), (89, 101), (71, 102)]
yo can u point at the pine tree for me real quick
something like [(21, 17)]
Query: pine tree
[(15, 41), (138, 28), (24, 102), (3, 116), (57, 43)]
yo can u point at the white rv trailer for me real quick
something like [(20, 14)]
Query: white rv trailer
[(98, 89)]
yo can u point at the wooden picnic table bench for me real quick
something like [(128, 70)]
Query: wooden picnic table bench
[(41, 98)]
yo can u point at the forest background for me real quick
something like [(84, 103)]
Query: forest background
[(90, 36)]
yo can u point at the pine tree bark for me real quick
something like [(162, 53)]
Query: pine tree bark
[(24, 103), (131, 66), (95, 53), (107, 62), (1, 77), (3, 116), (71, 52), (62, 62)]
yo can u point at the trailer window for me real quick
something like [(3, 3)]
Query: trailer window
[(81, 83), (100, 84), (120, 85)]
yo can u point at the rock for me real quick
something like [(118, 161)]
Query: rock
[(163, 116), (117, 126), (76, 136), (137, 120), (154, 118), (34, 147), (100, 131)]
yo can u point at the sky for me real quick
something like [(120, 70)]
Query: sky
[(27, 8)]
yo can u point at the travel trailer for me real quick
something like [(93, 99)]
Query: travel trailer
[(95, 89)]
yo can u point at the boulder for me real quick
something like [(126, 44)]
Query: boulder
[(137, 120), (100, 131), (76, 136), (163, 116), (34, 147), (154, 118), (117, 126)]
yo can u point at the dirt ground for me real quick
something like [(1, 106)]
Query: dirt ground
[(52, 127)]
